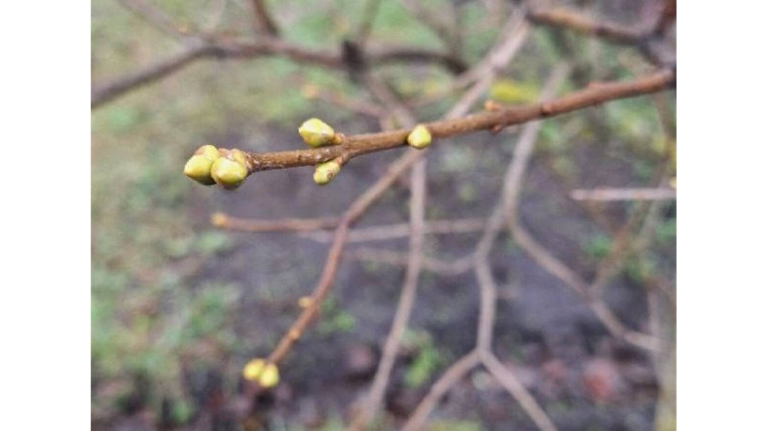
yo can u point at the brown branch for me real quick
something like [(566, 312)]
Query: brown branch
[(309, 227), (370, 11), (562, 18), (265, 24), (403, 230), (396, 258), (607, 194), (452, 375), (323, 287), (666, 18), (353, 146), (644, 37), (405, 304), (226, 221), (513, 385), (155, 72), (400, 54), (313, 92), (447, 32), (356, 210), (157, 18), (243, 50)]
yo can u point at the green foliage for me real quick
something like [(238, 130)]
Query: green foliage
[(598, 246), (666, 232), (429, 359), (640, 268), (335, 319)]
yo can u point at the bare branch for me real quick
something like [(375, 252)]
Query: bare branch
[(562, 18), (370, 12), (155, 72), (265, 24), (243, 50), (158, 19), (353, 146), (405, 304), (403, 230), (452, 375), (226, 221), (607, 194), (512, 384), (388, 257)]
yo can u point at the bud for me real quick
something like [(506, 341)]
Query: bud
[(267, 374), (198, 167), (305, 301), (218, 219), (316, 133), (270, 377), (325, 172), (230, 170), (420, 137)]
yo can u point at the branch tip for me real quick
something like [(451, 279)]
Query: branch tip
[(263, 372)]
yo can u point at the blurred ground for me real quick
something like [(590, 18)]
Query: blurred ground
[(178, 306)]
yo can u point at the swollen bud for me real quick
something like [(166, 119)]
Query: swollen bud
[(259, 370), (230, 171), (198, 167), (420, 137), (325, 172), (316, 133), (218, 219)]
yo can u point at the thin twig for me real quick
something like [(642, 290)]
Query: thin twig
[(370, 11), (608, 194), (226, 221), (105, 93), (405, 304), (313, 92), (243, 50), (452, 375), (265, 23), (403, 230), (158, 19), (512, 384), (389, 257), (562, 18), (356, 145)]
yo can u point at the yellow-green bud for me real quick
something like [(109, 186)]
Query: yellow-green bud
[(218, 219), (230, 171), (420, 137), (198, 167), (316, 133), (267, 374), (325, 172), (209, 152)]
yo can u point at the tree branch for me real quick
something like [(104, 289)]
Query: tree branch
[(608, 194), (264, 21), (158, 19), (562, 18), (242, 50), (357, 145), (105, 93)]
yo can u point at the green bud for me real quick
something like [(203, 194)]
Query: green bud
[(325, 172), (198, 167), (316, 133), (230, 171), (420, 137), (209, 152)]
